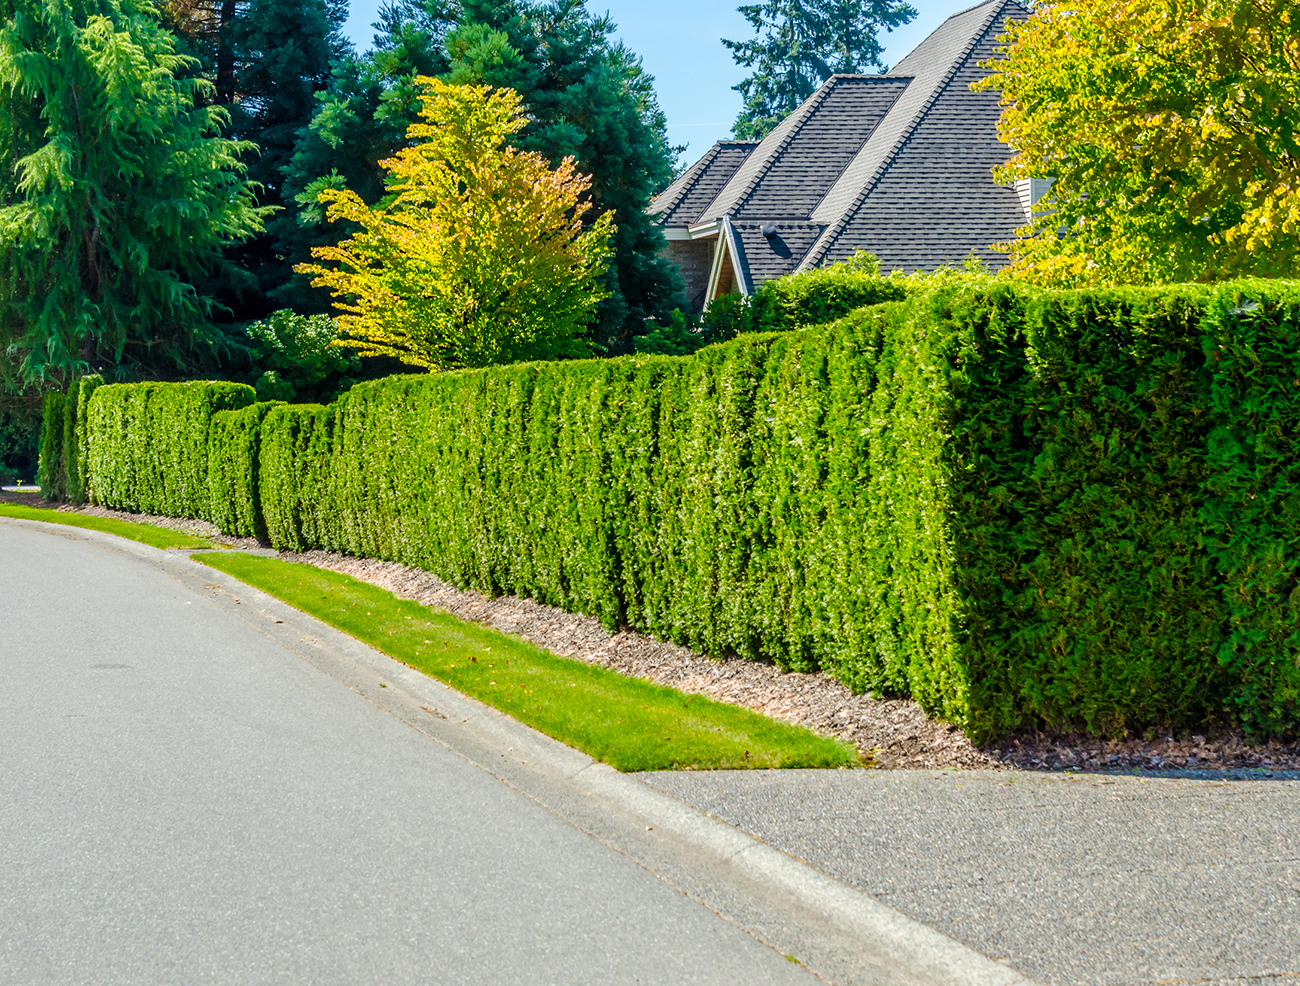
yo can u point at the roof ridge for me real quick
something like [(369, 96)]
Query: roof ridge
[(688, 179), (849, 162), (811, 103), (818, 250)]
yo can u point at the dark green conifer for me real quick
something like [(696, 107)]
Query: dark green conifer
[(118, 194), (802, 43)]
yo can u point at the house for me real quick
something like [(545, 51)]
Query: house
[(897, 164)]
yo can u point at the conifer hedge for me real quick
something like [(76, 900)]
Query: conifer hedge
[(148, 444), (234, 501), (1022, 507), (49, 465)]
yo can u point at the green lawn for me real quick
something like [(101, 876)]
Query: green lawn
[(627, 723), (157, 537)]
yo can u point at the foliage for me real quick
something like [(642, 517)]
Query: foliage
[(802, 43), (1023, 507), (585, 97), (79, 467), (20, 431), (780, 305), (1169, 131), (234, 503), (116, 196), (148, 444), (49, 473), (283, 54), (294, 358), (479, 256)]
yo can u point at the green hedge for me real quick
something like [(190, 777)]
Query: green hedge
[(781, 305), (1022, 507), (294, 466), (49, 469), (234, 503), (1251, 512), (76, 464), (148, 444)]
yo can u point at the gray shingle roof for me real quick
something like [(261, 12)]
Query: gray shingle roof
[(767, 258), (898, 164), (931, 199), (802, 171), (683, 201)]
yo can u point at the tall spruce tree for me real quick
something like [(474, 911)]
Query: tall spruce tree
[(118, 193), (267, 60), (360, 119), (586, 96), (802, 43)]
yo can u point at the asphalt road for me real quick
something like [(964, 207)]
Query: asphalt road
[(1074, 880), (183, 799)]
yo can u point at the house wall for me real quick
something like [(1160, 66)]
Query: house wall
[(694, 258)]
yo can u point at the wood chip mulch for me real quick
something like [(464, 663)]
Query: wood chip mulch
[(891, 733)]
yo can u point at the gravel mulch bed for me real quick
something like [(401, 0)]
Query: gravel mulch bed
[(893, 733), (198, 528)]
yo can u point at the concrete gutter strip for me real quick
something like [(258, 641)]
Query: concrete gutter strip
[(843, 935)]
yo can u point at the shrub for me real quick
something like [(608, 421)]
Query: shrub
[(78, 475), (1022, 507), (294, 358), (234, 504), (49, 470), (294, 463), (781, 305), (148, 444)]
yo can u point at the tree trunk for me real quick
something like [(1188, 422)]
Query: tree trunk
[(226, 53)]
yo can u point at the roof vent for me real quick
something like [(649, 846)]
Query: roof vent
[(769, 230)]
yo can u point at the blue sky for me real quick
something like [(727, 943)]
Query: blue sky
[(678, 40)]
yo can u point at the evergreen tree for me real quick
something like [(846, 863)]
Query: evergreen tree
[(586, 97), (802, 43), (267, 59), (118, 193), (360, 120)]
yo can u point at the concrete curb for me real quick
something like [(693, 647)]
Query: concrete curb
[(844, 934)]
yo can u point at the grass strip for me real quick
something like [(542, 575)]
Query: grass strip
[(627, 723), (150, 534)]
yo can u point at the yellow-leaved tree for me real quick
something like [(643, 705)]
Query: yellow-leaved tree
[(478, 254), (1171, 131)]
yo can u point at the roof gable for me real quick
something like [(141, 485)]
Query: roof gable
[(935, 200), (683, 201), (805, 167)]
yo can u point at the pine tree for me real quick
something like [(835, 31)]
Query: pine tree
[(118, 193), (360, 120), (267, 60), (802, 43)]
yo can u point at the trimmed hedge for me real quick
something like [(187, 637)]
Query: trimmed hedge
[(234, 504), (1022, 507), (294, 463), (148, 444), (75, 443), (49, 468), (782, 305)]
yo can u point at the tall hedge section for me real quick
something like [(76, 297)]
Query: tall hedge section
[(1022, 507), (148, 444), (234, 501)]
